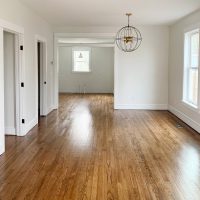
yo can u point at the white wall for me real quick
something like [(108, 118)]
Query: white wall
[(141, 77), (176, 66), (9, 82), (17, 13), (100, 80)]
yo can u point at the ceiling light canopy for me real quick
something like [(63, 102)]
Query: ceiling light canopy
[(128, 38)]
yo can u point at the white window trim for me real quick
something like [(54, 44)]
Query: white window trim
[(81, 49), (189, 105)]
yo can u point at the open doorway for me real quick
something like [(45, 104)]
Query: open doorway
[(41, 62), (83, 65), (13, 85), (10, 117)]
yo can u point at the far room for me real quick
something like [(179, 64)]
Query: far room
[(86, 65)]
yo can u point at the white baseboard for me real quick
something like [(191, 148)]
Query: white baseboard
[(54, 107), (29, 126), (185, 118), (2, 149), (51, 108), (141, 106), (33, 123), (10, 131)]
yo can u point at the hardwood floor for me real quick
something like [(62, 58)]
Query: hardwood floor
[(88, 151)]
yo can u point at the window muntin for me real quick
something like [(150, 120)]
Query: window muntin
[(81, 60), (191, 78)]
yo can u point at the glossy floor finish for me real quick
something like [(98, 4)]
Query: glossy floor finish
[(88, 151)]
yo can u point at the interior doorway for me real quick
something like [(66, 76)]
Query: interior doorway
[(10, 117), (69, 50), (13, 85), (41, 62)]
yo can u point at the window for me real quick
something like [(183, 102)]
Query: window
[(191, 71), (81, 59)]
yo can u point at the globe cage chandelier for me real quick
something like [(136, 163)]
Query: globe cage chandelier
[(128, 38)]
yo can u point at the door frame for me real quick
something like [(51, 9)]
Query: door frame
[(19, 78), (43, 76)]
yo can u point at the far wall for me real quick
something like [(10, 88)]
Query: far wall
[(100, 80)]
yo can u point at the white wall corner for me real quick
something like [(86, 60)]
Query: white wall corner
[(141, 106), (185, 118)]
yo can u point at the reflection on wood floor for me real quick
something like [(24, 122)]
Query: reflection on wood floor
[(86, 150)]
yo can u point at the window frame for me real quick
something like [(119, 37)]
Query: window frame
[(186, 72), (73, 63)]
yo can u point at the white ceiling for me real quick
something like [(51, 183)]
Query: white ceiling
[(111, 12)]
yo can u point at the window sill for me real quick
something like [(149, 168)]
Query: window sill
[(190, 106)]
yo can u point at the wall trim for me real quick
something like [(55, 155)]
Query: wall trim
[(8, 26), (51, 108), (191, 27), (185, 118), (55, 107), (86, 45), (141, 106), (10, 131), (2, 149), (29, 126), (87, 35)]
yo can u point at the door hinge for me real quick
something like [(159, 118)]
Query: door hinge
[(22, 84), (21, 48), (23, 121)]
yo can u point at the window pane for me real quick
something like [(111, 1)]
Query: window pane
[(194, 50), (191, 72), (81, 61), (193, 86)]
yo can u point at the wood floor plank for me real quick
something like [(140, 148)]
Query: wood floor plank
[(87, 151)]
